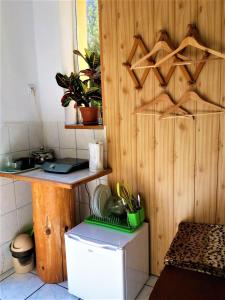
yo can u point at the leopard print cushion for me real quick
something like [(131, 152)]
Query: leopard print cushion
[(198, 247)]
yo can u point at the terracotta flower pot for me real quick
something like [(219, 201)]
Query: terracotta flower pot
[(89, 115)]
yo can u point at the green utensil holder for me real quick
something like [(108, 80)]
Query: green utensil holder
[(141, 214), (134, 219), (137, 218)]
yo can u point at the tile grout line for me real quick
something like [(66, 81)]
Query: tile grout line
[(14, 271), (28, 136), (36, 274), (149, 285), (45, 283), (6, 277), (139, 293), (34, 291), (5, 214), (62, 286)]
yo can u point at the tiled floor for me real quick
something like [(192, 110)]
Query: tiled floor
[(29, 286)]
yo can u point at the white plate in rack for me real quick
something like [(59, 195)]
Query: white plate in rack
[(94, 199), (101, 195)]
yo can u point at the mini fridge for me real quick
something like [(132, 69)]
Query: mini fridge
[(103, 263)]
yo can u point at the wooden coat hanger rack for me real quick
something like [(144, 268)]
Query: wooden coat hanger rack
[(164, 44), (162, 97), (138, 42), (188, 96)]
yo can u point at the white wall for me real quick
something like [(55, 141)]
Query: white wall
[(1, 60), (18, 65), (20, 127), (53, 23)]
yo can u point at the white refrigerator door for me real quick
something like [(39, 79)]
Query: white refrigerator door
[(95, 270)]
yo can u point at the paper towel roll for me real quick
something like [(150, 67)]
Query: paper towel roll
[(96, 156)]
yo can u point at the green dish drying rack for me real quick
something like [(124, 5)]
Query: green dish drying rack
[(113, 222)]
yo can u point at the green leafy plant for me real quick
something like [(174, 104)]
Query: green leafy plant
[(86, 91), (30, 231), (79, 91), (93, 72)]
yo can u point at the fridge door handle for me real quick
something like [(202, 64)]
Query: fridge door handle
[(91, 243)]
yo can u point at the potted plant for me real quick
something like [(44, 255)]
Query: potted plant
[(86, 96), (93, 79), (90, 99)]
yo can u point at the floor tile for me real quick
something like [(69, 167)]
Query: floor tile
[(19, 286), (152, 280), (34, 271), (52, 292), (64, 284), (29, 286), (145, 293), (6, 274)]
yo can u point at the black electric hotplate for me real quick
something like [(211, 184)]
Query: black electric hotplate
[(65, 165)]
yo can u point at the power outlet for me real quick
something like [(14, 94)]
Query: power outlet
[(31, 89)]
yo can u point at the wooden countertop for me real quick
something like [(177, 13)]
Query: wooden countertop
[(67, 181)]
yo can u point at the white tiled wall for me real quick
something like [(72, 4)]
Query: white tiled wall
[(17, 140), (74, 143), (70, 141)]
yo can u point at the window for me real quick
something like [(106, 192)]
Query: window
[(92, 25), (87, 27)]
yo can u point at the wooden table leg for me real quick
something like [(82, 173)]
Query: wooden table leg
[(53, 215)]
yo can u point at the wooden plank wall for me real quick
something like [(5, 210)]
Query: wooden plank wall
[(178, 165)]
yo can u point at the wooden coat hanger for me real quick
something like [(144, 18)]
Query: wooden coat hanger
[(191, 39), (188, 96), (190, 62), (164, 44), (162, 97)]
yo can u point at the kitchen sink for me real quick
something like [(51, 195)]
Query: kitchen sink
[(19, 165)]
